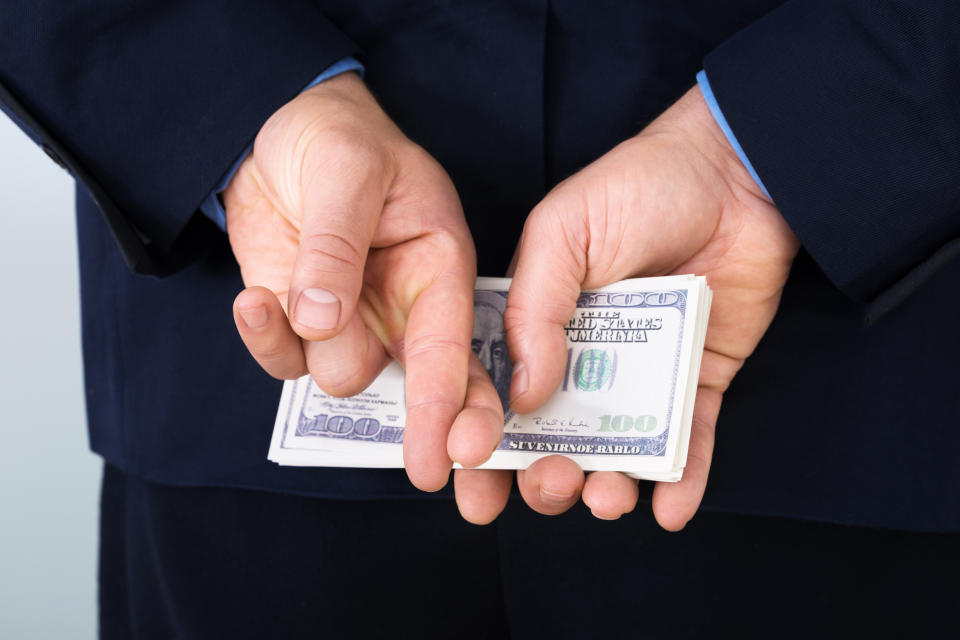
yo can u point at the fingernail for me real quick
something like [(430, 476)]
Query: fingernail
[(600, 517), (254, 317), (318, 308), (555, 497), (520, 380)]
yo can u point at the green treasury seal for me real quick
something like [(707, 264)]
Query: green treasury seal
[(594, 369)]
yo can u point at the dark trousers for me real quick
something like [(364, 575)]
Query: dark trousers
[(229, 563)]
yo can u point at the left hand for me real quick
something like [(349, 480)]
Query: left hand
[(674, 199)]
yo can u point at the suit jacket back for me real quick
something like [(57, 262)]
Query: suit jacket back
[(830, 419)]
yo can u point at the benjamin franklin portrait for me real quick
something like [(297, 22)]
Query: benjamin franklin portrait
[(490, 340)]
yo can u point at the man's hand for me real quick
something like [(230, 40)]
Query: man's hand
[(353, 246), (673, 199)]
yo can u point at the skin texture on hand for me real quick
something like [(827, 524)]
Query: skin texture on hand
[(674, 199), (354, 248)]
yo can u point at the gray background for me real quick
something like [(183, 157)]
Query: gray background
[(49, 481)]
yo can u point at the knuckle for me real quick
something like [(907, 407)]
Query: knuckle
[(278, 360), (273, 130), (535, 324), (425, 344), (544, 218), (333, 251), (345, 150), (438, 404), (450, 243), (560, 221), (482, 395), (704, 429), (697, 460), (339, 381), (286, 372), (273, 354), (514, 319)]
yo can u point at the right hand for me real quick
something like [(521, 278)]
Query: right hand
[(673, 199), (354, 248)]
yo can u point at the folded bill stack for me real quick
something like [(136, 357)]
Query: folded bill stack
[(625, 402)]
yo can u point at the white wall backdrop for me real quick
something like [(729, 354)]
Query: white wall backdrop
[(49, 481)]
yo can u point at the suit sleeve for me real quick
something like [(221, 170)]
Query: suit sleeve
[(849, 110), (149, 103)]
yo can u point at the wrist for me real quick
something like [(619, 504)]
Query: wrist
[(343, 95), (711, 141), (346, 85), (693, 128), (339, 114)]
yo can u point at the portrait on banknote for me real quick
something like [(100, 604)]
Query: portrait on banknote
[(490, 340)]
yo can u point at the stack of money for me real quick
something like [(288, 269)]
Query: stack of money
[(625, 402)]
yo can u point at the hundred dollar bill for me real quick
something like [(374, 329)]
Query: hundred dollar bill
[(625, 402)]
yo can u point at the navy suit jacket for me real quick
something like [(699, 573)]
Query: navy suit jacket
[(849, 110)]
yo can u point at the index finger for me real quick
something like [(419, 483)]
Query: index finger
[(435, 355)]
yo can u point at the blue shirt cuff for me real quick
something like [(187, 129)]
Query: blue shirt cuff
[(725, 127), (212, 206)]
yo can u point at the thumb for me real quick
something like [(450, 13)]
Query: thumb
[(551, 264), (342, 206)]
